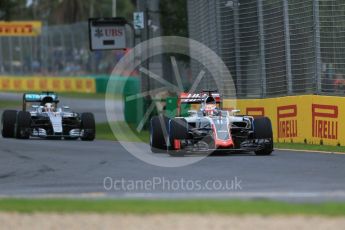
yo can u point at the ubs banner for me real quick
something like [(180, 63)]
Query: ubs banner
[(302, 119)]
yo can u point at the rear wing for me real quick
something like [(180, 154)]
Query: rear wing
[(196, 99), (43, 98)]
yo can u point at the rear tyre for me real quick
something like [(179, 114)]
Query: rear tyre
[(23, 125), (263, 131), (157, 139), (88, 126), (8, 122)]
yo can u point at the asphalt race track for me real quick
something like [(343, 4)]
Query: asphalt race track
[(78, 169)]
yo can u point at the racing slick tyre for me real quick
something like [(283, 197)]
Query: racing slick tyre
[(157, 137), (88, 125), (23, 125), (263, 131), (178, 130), (8, 122)]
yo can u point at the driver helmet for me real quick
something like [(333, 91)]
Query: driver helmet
[(210, 105), (49, 107)]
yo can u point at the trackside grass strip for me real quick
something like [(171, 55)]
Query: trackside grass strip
[(10, 104), (103, 132), (233, 207), (300, 146)]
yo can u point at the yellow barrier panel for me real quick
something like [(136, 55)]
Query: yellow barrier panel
[(56, 84), (4, 83), (68, 85), (20, 28), (310, 119)]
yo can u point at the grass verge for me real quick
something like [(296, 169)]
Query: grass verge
[(10, 104), (103, 132), (236, 207), (300, 146), (100, 96)]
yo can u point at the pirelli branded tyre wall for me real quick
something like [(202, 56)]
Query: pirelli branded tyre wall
[(78, 84), (42, 83), (309, 119)]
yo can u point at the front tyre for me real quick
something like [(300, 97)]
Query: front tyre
[(158, 126), (88, 127), (178, 130)]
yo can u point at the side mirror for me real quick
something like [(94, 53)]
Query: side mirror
[(66, 107)]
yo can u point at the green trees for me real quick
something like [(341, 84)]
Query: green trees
[(62, 11), (174, 18)]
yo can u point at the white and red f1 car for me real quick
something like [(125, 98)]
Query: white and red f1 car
[(210, 129)]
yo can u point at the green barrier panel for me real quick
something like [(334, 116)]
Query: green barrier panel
[(124, 86), (101, 83), (133, 106), (171, 108)]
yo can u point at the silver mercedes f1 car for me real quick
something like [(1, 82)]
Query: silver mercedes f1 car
[(41, 117), (210, 129)]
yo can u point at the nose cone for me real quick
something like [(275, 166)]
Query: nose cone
[(224, 143)]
